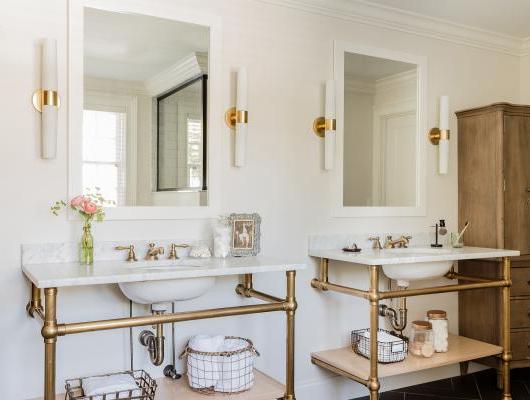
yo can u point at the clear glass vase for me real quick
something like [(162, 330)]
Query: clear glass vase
[(86, 247)]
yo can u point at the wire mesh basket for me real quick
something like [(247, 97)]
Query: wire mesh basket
[(224, 371), (390, 348), (145, 391)]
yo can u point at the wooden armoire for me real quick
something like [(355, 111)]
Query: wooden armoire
[(494, 196)]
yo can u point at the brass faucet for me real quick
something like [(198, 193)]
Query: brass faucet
[(402, 242), (173, 255), (132, 255), (376, 242), (153, 252)]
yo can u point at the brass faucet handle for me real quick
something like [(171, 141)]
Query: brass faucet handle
[(132, 255), (173, 255)]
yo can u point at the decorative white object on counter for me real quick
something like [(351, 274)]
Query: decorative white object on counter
[(221, 237), (421, 342), (438, 320), (201, 251)]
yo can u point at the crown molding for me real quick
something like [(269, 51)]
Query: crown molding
[(189, 67), (397, 80), (367, 13), (351, 84)]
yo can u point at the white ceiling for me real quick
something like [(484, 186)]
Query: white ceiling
[(508, 17), (137, 47)]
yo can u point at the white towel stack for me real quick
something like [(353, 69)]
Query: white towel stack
[(97, 386), (220, 373)]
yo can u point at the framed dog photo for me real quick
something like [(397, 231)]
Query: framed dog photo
[(245, 239)]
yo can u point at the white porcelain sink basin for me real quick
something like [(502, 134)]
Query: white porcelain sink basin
[(165, 291), (403, 273)]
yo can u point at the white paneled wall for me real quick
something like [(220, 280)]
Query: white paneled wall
[(289, 55)]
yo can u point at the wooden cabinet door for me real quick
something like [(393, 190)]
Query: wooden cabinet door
[(517, 183)]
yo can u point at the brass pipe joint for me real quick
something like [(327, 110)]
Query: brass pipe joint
[(50, 331), (374, 297), (317, 284), (243, 291), (291, 305), (34, 306), (506, 357), (373, 384)]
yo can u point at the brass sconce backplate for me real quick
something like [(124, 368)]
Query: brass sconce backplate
[(230, 117), (435, 134), (233, 116), (42, 97), (321, 125)]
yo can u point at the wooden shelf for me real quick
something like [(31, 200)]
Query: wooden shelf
[(344, 361), (265, 388)]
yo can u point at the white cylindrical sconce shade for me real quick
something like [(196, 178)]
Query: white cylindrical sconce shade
[(443, 156), (443, 146), (330, 132), (241, 125), (49, 100)]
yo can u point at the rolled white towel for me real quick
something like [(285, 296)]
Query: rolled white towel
[(206, 343), (236, 371), (99, 385), (203, 370)]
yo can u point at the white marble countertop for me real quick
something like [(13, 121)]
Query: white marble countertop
[(46, 275), (411, 255)]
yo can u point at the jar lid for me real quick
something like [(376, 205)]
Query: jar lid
[(422, 325), (436, 314)]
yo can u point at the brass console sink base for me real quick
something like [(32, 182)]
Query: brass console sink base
[(367, 372), (51, 330)]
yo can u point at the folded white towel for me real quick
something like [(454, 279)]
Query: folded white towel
[(100, 385)]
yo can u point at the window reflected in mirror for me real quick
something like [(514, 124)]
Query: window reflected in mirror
[(181, 137), (380, 132), (145, 109)]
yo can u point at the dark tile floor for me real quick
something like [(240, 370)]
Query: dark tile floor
[(477, 386)]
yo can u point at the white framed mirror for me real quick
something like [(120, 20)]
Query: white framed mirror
[(144, 116), (380, 148)]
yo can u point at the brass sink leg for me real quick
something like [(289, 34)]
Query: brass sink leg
[(506, 353), (373, 381), (49, 333), (290, 303)]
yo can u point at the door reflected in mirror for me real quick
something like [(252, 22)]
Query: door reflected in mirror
[(145, 109), (380, 147)]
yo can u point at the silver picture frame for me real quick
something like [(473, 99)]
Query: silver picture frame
[(245, 236)]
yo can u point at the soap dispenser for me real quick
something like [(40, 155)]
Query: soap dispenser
[(440, 229)]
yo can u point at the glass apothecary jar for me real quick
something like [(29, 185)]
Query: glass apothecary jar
[(421, 341), (438, 320)]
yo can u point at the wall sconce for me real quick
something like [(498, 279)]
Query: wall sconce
[(237, 118), (326, 126), (440, 136), (46, 99)]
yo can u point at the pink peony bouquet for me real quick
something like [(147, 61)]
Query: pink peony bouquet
[(90, 206)]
